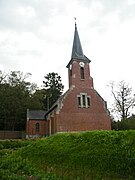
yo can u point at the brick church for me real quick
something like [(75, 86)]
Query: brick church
[(80, 108)]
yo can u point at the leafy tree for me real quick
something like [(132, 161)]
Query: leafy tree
[(126, 124), (18, 79), (53, 88), (124, 99), (130, 122), (37, 100), (15, 98)]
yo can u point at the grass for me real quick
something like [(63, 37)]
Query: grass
[(99, 154)]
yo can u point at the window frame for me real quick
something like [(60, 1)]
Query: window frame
[(88, 101), (37, 127), (83, 100), (82, 73), (79, 100)]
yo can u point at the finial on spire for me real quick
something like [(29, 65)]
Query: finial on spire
[(75, 21)]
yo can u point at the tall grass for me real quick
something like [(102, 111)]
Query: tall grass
[(97, 154)]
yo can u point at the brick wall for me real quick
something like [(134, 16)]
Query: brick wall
[(75, 78), (12, 134), (73, 118), (69, 116), (31, 128)]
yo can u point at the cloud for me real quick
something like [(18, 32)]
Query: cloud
[(25, 15), (36, 37)]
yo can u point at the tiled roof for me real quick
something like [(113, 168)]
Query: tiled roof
[(77, 51), (36, 114)]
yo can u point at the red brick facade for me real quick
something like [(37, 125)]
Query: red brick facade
[(32, 130), (69, 115), (36, 125), (81, 108)]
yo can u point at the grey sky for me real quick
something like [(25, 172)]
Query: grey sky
[(36, 36)]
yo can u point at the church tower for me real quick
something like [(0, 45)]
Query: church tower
[(78, 67), (81, 108)]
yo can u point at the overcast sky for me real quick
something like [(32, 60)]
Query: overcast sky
[(36, 36)]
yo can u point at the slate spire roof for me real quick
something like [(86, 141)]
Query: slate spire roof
[(77, 51)]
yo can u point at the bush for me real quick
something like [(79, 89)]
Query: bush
[(1, 146), (103, 152), (96, 154), (14, 144)]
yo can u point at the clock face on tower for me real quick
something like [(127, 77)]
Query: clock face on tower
[(81, 64)]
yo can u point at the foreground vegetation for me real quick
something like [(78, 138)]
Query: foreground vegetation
[(95, 154)]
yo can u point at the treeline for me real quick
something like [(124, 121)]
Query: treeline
[(126, 124), (17, 94)]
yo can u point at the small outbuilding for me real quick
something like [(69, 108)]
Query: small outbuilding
[(36, 125)]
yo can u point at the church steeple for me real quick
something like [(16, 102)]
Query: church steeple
[(77, 52), (78, 66)]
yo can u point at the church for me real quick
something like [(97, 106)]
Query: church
[(80, 108)]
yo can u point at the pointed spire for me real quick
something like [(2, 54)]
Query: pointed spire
[(77, 51)]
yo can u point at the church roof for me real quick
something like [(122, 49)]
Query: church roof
[(77, 51), (36, 114)]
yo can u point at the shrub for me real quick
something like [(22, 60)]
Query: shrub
[(97, 154), (1, 146)]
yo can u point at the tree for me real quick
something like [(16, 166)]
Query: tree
[(124, 99), (17, 95), (126, 124), (53, 88), (15, 98), (37, 100), (2, 77)]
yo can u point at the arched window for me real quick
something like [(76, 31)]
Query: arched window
[(82, 72), (37, 127)]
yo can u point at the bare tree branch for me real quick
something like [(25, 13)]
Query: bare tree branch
[(124, 100)]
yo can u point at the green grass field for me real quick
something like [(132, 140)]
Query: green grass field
[(84, 155)]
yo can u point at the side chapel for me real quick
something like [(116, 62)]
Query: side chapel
[(81, 108)]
